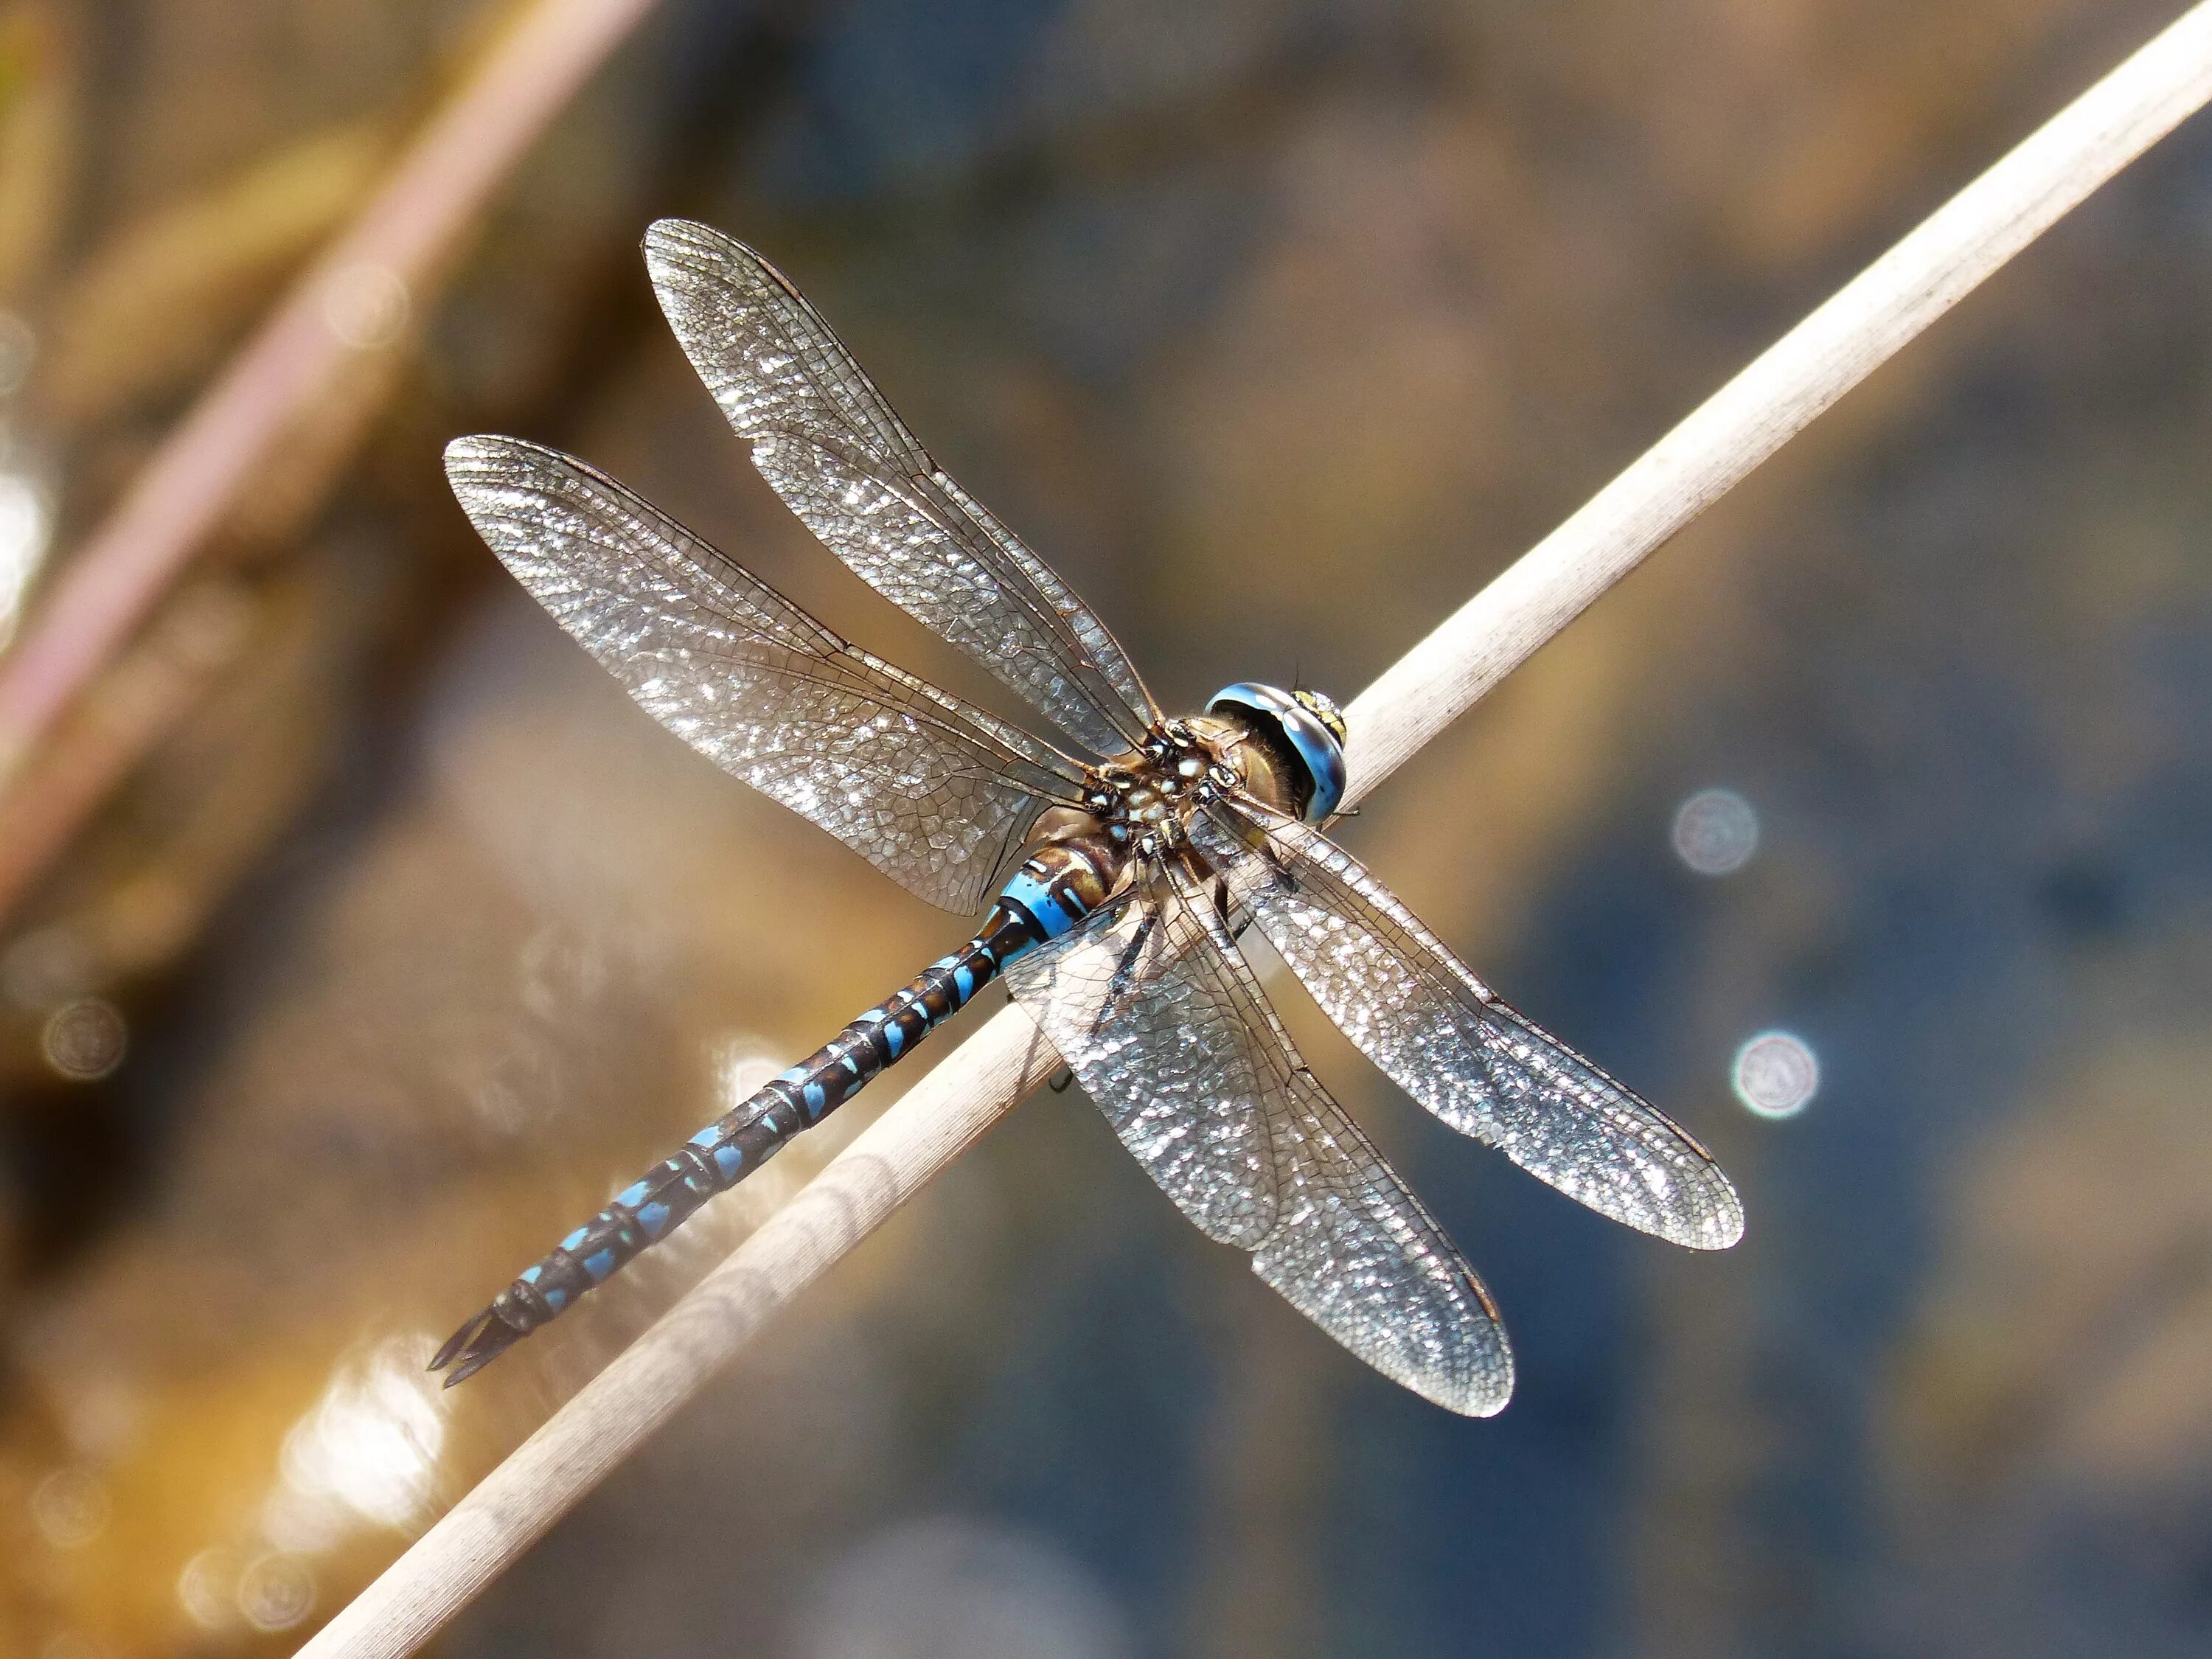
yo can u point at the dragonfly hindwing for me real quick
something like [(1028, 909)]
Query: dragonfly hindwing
[(1162, 1020)]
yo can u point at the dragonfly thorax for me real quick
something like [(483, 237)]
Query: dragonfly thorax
[(1144, 799), (1138, 805)]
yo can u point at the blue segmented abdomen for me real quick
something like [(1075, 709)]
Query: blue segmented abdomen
[(1061, 883), (738, 1142)]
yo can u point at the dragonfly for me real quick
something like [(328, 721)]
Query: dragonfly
[(1121, 866)]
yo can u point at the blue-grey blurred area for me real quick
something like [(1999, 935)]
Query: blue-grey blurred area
[(1868, 830)]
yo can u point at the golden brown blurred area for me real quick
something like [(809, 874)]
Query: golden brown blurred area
[(357, 937)]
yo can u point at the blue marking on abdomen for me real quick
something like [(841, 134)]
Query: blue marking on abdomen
[(1052, 917), (640, 1215)]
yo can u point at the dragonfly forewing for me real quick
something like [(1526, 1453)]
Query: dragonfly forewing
[(1442, 1035), (938, 796), (829, 443)]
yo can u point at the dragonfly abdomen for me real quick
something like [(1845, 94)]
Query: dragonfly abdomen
[(749, 1133)]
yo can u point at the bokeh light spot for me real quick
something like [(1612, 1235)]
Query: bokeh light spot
[(743, 1066), (70, 1508), (276, 1592), (1776, 1074), (367, 306), (85, 1040), (1715, 832), (207, 1587), (26, 528), (370, 1445), (956, 1587)]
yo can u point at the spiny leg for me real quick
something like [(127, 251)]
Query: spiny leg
[(1124, 974)]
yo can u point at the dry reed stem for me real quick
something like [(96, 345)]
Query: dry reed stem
[(205, 466), (1936, 265), (1803, 373)]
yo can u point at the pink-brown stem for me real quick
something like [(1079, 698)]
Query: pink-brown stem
[(181, 498)]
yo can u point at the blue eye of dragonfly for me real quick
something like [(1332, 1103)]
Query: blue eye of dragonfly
[(1120, 863), (1297, 725)]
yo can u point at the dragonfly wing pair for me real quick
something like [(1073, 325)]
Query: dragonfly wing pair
[(1158, 1016), (939, 796)]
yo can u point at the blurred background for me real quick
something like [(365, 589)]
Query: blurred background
[(357, 937)]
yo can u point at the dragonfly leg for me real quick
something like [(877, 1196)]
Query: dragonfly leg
[(1124, 974)]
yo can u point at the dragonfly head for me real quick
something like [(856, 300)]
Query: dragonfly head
[(1304, 727)]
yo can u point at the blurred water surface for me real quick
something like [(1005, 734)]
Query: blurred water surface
[(1278, 328)]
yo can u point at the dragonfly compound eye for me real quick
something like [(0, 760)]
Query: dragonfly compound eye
[(1291, 728)]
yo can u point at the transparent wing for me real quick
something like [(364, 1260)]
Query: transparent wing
[(1155, 1038), (829, 443), (937, 795), (1443, 1037), (1355, 1252), (1349, 1246)]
